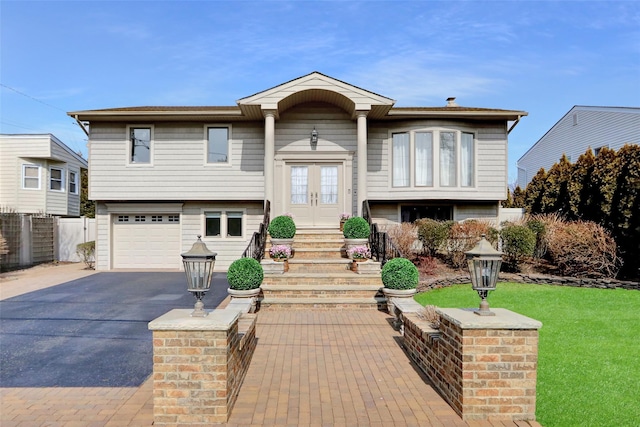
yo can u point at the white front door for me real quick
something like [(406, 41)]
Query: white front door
[(315, 193)]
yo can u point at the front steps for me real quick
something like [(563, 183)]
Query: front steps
[(320, 277)]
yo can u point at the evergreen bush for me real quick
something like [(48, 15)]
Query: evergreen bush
[(433, 234), (356, 227), (282, 227), (245, 274), (518, 243), (400, 274)]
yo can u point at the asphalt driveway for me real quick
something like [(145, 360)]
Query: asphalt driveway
[(90, 332)]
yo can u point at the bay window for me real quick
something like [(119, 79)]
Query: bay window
[(466, 160), (400, 159), (424, 159), (447, 159)]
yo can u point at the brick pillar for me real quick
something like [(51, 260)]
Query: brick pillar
[(192, 367), (490, 364)]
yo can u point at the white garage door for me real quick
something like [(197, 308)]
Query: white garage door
[(146, 241)]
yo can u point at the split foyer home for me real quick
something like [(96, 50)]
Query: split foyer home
[(39, 174), (314, 147)]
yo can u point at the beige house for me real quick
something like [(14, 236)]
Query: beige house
[(39, 174), (314, 146)]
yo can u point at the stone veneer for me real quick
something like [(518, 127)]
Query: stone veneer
[(199, 365), (485, 367)]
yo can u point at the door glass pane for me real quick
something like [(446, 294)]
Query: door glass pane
[(329, 185), (299, 185)]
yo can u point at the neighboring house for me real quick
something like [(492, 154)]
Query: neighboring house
[(314, 146), (582, 128), (39, 175)]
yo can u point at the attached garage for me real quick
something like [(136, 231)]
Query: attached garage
[(146, 241)]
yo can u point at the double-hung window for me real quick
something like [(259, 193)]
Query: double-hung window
[(56, 181), (223, 223), (31, 177), (73, 182), (217, 145), (140, 145)]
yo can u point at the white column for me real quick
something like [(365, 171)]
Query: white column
[(269, 153), (362, 159)]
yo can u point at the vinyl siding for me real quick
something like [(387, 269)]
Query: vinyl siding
[(490, 181), (177, 170), (596, 127)]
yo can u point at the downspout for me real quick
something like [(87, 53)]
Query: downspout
[(514, 125), (86, 132)]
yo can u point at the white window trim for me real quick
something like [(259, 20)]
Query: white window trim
[(223, 223), (63, 182), (435, 131), (151, 149), (205, 147), (77, 182), (28, 165)]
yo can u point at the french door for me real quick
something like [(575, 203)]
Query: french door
[(315, 193)]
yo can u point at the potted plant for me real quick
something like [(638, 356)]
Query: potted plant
[(281, 253), (400, 278), (245, 277), (282, 229), (358, 254), (356, 232), (343, 218)]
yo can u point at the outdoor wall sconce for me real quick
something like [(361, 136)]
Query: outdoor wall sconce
[(198, 266), (314, 137), (484, 265)]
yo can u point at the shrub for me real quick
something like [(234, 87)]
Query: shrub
[(86, 251), (245, 274), (404, 236), (400, 273), (427, 266), (282, 227), (583, 249), (463, 236), (518, 243), (539, 229), (356, 228), (433, 234), (429, 313)]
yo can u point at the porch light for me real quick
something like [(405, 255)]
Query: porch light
[(484, 265), (198, 266), (314, 136)]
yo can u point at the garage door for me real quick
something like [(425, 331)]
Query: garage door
[(146, 241)]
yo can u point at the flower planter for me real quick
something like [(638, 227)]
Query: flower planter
[(285, 262), (349, 243), (284, 242), (249, 293), (356, 262), (397, 293)]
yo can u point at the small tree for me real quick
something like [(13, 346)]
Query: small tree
[(534, 192), (555, 196), (581, 192)]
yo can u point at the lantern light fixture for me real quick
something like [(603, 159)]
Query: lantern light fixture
[(484, 265), (314, 136), (198, 267)]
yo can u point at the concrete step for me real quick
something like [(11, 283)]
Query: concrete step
[(318, 253), (322, 279), (324, 304), (328, 265)]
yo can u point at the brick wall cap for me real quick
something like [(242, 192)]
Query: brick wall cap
[(181, 320), (465, 318)]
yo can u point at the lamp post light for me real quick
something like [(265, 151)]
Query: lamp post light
[(484, 265), (198, 266), (314, 137)]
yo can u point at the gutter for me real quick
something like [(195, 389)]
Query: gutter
[(84, 129)]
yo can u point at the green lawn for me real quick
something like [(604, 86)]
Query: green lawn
[(589, 353)]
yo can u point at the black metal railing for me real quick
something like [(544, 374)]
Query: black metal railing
[(256, 246), (382, 247)]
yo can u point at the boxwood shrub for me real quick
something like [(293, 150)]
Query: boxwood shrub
[(356, 228), (245, 274), (518, 243), (282, 227), (400, 273)]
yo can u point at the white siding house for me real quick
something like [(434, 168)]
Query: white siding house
[(162, 175), (582, 128), (39, 174)]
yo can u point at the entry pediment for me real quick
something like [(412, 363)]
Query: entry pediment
[(316, 87)]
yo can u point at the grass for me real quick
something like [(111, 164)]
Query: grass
[(589, 348)]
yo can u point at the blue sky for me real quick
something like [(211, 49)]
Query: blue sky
[(543, 57)]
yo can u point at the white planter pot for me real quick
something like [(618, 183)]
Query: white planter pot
[(249, 293), (285, 242), (350, 243), (397, 293)]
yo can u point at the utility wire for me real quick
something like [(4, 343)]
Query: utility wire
[(32, 98)]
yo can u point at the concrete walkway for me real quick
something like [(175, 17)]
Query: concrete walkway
[(310, 368)]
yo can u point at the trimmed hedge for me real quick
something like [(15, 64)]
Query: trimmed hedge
[(282, 227), (245, 274), (356, 228), (400, 273)]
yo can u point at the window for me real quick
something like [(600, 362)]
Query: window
[(223, 223), (56, 182), (424, 159), (156, 218), (410, 213), (174, 218), (596, 151), (447, 159), (217, 145), (140, 142), (31, 177), (73, 182), (400, 159), (140, 218), (466, 160), (123, 218)]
